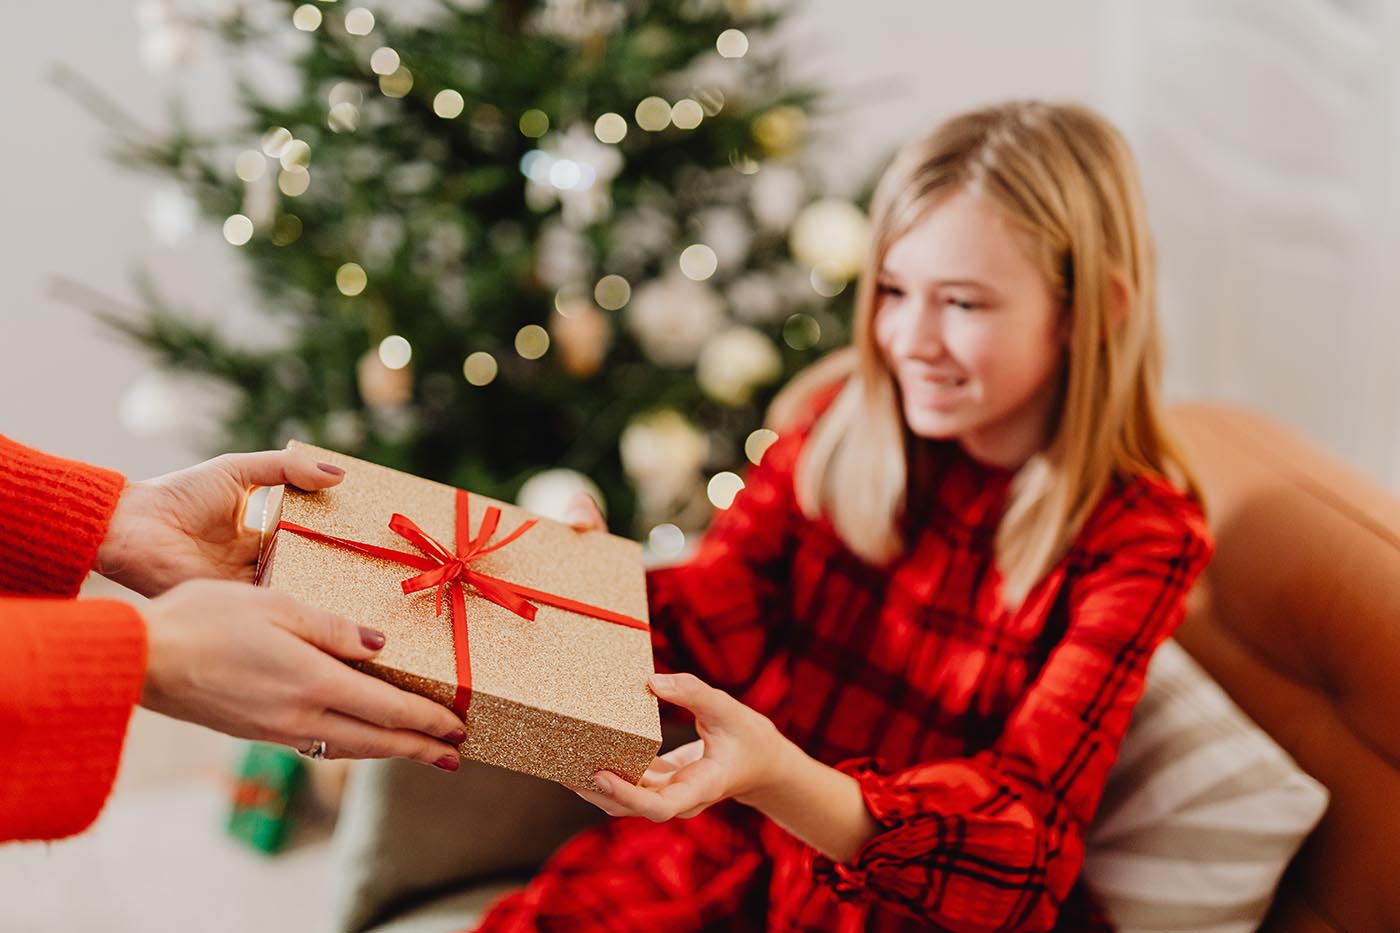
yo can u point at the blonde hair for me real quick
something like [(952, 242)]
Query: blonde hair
[(1065, 179)]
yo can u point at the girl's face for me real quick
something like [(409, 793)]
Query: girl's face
[(971, 332)]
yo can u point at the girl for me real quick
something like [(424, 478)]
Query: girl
[(915, 638)]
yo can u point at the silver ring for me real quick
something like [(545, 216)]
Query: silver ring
[(315, 751)]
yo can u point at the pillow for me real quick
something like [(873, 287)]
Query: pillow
[(1201, 813)]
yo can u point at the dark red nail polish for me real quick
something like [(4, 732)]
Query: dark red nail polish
[(456, 736), (373, 639), (447, 763), (331, 469)]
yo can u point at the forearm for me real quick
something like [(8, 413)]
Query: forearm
[(816, 803)]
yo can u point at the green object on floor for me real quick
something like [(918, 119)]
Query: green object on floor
[(267, 781)]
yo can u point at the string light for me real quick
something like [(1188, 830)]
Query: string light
[(732, 43), (238, 229), (532, 341), (250, 165), (350, 278), (687, 114), (396, 85), (384, 61), (286, 230), (653, 114), (610, 128), (666, 540), (275, 140), (612, 292), (698, 262), (295, 155), (722, 489), (395, 351), (344, 117), (306, 17), (359, 21), (448, 104), (480, 368), (757, 444), (293, 183), (534, 123), (801, 332)]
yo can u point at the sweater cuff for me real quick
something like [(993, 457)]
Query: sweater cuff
[(53, 515), (73, 673)]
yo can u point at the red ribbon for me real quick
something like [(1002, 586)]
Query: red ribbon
[(441, 567)]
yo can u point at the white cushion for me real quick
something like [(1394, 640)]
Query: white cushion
[(1201, 813)]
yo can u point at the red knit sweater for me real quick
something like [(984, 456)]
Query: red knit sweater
[(72, 669)]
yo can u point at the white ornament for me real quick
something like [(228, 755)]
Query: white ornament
[(562, 256), (831, 236), (727, 232), (549, 493), (578, 20), (167, 38), (777, 193), (577, 170), (662, 453), (171, 215), (673, 317), (735, 363), (755, 298)]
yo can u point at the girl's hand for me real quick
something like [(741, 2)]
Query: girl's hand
[(189, 524), (740, 755), (259, 665)]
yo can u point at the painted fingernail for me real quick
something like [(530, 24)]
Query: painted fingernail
[(330, 468), (447, 763), (456, 736), (602, 784), (371, 638)]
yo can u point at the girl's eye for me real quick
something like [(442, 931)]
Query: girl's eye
[(965, 304), (883, 290)]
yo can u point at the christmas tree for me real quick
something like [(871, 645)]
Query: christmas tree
[(521, 248)]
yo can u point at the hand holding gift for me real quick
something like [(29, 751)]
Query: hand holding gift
[(534, 632), (246, 662)]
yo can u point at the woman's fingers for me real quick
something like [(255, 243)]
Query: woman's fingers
[(331, 633), (348, 737), (367, 699), (280, 467)]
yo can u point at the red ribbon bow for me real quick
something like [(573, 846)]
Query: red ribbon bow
[(441, 567)]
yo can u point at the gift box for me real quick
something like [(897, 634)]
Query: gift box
[(535, 633), (267, 781)]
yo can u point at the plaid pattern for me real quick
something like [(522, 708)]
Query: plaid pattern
[(981, 736)]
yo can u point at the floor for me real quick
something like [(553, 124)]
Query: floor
[(158, 859)]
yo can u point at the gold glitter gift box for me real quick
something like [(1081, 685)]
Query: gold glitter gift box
[(561, 695)]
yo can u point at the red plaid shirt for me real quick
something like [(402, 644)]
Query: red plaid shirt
[(981, 736)]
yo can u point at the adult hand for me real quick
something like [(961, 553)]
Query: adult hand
[(189, 524), (259, 665), (739, 755)]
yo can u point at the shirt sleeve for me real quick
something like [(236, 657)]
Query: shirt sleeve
[(718, 615), (70, 673), (996, 841), (53, 515)]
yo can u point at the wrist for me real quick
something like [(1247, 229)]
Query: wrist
[(782, 771), (107, 561)]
